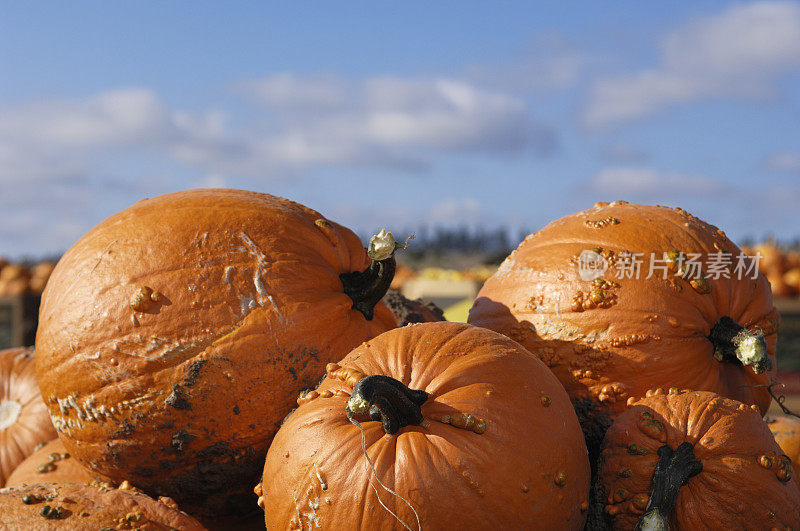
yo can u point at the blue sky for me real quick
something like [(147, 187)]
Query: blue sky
[(388, 115)]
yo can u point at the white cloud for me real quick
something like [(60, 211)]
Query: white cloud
[(645, 181), (739, 53), (55, 140), (289, 91), (387, 121), (623, 154), (298, 123), (548, 63), (783, 161)]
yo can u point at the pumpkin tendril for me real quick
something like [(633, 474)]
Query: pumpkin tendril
[(387, 489), (779, 399), (734, 343), (673, 470), (368, 287)]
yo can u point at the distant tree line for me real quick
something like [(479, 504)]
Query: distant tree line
[(493, 245)]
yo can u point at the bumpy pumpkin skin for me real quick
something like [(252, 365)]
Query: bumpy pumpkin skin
[(528, 469), (610, 340), (52, 464), (180, 390), (89, 507), (733, 490), (24, 419), (786, 430)]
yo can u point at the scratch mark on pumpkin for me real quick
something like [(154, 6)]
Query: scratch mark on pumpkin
[(277, 311), (227, 275), (77, 277)]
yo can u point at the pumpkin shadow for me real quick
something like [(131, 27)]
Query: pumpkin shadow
[(155, 306)]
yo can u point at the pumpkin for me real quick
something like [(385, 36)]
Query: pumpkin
[(786, 430), (462, 427), (51, 463), (693, 459), (771, 258), (14, 280), (24, 420), (175, 335), (792, 279), (40, 273), (407, 311), (778, 284), (88, 507), (610, 339)]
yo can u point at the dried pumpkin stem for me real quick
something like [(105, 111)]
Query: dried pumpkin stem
[(385, 399), (673, 470), (368, 287), (734, 343)]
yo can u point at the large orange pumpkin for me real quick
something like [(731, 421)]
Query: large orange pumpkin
[(786, 430), (24, 420), (474, 433), (80, 507), (51, 463), (608, 335), (695, 460), (175, 336)]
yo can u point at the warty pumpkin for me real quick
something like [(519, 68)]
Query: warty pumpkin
[(695, 460), (610, 336), (24, 420), (51, 463), (786, 430), (463, 429), (175, 335), (80, 507)]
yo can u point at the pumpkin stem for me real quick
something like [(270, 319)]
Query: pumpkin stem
[(385, 399), (734, 343), (673, 470), (368, 287)]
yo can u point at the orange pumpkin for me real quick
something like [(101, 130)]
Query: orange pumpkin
[(24, 420), (786, 430), (473, 432), (88, 507), (51, 463), (570, 292), (175, 336), (407, 311), (734, 475)]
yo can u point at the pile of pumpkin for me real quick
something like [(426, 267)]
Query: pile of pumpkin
[(181, 344), (780, 266), (18, 279)]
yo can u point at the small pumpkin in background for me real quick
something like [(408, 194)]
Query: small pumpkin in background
[(88, 507), (175, 335), (694, 460), (786, 430), (571, 292), (462, 427), (14, 280), (51, 463), (24, 419), (40, 274), (408, 311)]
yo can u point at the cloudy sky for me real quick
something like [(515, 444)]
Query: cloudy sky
[(400, 114)]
